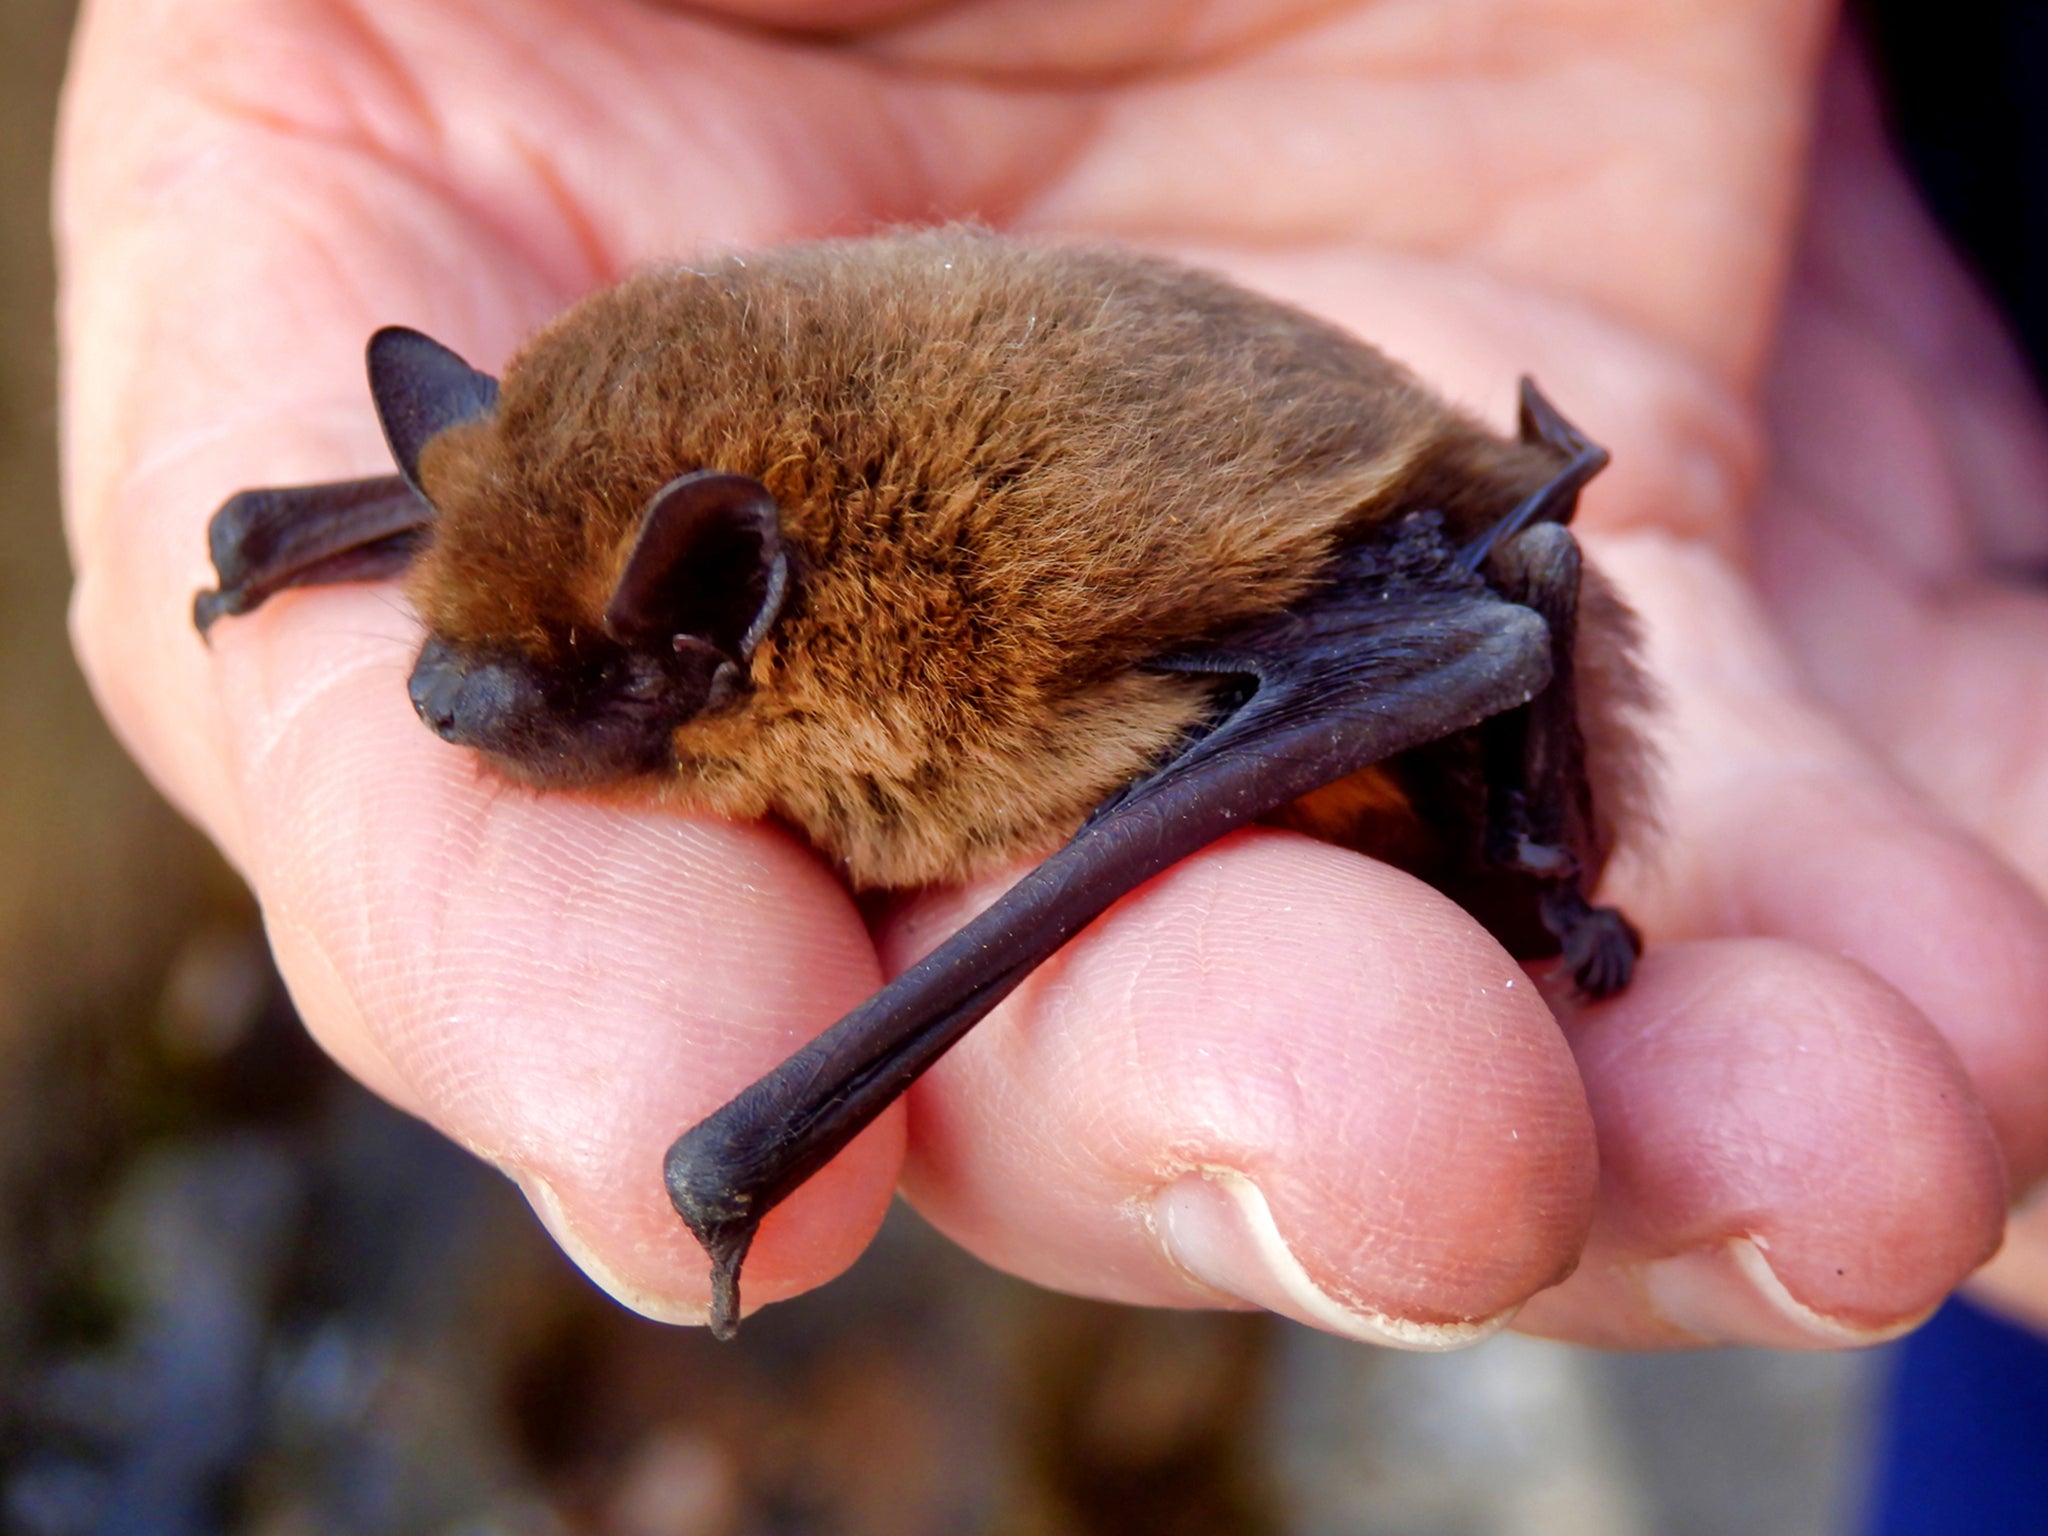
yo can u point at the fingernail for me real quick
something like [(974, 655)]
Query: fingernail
[(1730, 1295), (547, 1205), (1217, 1227)]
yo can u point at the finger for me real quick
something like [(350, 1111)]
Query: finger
[(2016, 1282), (559, 983), (1279, 1074), (1789, 1156), (1778, 825), (489, 960)]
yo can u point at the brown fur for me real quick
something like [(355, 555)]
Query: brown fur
[(1008, 474)]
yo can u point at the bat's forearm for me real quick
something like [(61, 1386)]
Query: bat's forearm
[(726, 1173)]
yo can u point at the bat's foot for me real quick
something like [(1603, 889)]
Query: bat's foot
[(1601, 951)]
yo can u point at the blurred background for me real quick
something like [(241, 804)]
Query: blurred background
[(239, 1295)]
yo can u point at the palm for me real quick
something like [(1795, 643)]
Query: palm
[(563, 986)]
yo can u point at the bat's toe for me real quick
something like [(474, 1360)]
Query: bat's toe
[(1602, 951)]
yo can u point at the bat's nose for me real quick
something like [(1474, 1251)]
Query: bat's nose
[(464, 700), (539, 730), (435, 684)]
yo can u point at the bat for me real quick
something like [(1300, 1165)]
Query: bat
[(949, 549)]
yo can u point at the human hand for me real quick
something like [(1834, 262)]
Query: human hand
[(1903, 544), (1279, 1072)]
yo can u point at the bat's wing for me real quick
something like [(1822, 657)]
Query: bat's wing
[(1558, 497), (1402, 647), (309, 535), (349, 530)]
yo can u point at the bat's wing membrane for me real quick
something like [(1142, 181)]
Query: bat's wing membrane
[(1399, 649), (309, 535)]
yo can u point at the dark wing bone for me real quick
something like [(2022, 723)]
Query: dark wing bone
[(1558, 497)]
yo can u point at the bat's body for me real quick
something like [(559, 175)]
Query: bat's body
[(945, 549)]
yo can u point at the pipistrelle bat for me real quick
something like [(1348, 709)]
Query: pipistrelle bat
[(948, 549)]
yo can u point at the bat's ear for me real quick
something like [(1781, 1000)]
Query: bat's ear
[(707, 565), (421, 390)]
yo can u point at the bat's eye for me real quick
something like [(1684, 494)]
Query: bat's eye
[(642, 679)]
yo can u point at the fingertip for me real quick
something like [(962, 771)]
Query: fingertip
[(1872, 877), (561, 983), (1218, 1227), (1781, 825), (1280, 1073), (1790, 1155), (2016, 1281)]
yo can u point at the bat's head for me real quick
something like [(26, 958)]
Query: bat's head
[(569, 654)]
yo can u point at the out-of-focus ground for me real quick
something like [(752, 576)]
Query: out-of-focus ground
[(239, 1295)]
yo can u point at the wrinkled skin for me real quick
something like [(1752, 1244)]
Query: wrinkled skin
[(1279, 1073)]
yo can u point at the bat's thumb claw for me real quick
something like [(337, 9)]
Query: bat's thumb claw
[(213, 605), (721, 1219), (725, 1294)]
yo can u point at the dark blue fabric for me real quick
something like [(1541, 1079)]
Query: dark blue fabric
[(1963, 1440)]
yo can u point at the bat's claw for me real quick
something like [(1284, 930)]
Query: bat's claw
[(721, 1218), (1601, 952), (725, 1289), (215, 604)]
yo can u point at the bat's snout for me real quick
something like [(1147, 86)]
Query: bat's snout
[(471, 703), (613, 719)]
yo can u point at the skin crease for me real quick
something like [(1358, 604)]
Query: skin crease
[(247, 189)]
